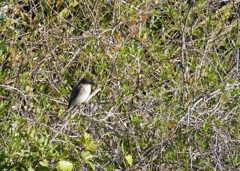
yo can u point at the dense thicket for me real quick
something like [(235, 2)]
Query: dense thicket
[(168, 73)]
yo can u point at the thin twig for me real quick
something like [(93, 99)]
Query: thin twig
[(13, 88)]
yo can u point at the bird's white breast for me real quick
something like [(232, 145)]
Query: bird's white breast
[(84, 93)]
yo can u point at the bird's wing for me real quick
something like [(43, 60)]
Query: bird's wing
[(76, 90)]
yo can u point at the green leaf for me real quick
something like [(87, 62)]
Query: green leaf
[(91, 164), (129, 159), (65, 166), (86, 155), (88, 142), (42, 168), (44, 163)]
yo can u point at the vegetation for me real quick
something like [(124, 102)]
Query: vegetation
[(168, 73)]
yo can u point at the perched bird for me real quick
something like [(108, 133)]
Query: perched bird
[(80, 92)]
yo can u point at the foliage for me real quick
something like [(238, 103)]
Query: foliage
[(168, 73)]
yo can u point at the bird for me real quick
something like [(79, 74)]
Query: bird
[(80, 92)]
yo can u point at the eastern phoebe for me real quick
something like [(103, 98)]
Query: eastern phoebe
[(80, 92)]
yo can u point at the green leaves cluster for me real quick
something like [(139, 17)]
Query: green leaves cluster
[(168, 73)]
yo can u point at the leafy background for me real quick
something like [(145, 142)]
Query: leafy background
[(168, 73)]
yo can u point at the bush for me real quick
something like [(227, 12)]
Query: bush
[(168, 73)]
